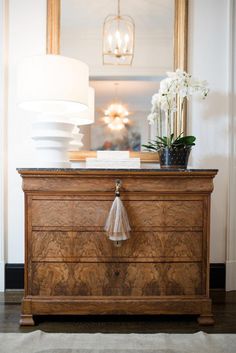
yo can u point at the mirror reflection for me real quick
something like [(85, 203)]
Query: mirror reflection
[(127, 59)]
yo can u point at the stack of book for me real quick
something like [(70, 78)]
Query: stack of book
[(113, 160)]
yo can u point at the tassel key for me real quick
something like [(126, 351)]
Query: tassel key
[(117, 224)]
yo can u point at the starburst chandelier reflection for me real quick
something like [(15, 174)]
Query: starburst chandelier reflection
[(116, 114)]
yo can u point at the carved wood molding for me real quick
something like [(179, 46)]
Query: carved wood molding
[(181, 49), (53, 26), (181, 35)]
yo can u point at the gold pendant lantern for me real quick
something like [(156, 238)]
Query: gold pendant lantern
[(118, 39)]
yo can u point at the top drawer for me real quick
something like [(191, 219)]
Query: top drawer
[(85, 214), (93, 181)]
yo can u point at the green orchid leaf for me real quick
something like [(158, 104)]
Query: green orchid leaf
[(185, 140), (164, 141), (149, 147)]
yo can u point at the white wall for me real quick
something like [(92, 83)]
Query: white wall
[(231, 233), (27, 36), (209, 120), (208, 59), (3, 145)]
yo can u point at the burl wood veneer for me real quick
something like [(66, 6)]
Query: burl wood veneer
[(71, 267)]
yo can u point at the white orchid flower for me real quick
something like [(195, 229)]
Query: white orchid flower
[(177, 87)]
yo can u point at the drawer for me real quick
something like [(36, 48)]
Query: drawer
[(93, 214), (95, 181), (116, 279), (95, 246)]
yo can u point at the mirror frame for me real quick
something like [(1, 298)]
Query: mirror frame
[(180, 61)]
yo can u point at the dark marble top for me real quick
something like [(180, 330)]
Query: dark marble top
[(143, 168)]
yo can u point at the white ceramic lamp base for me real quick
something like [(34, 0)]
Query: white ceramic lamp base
[(52, 141)]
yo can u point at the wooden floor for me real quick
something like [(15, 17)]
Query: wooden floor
[(224, 309)]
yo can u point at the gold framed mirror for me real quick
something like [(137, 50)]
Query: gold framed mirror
[(180, 51)]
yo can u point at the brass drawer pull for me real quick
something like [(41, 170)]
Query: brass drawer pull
[(117, 273)]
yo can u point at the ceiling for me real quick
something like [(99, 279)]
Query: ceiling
[(136, 95), (149, 15)]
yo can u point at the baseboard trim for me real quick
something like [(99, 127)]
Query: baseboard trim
[(231, 275), (2, 275), (217, 276), (14, 276)]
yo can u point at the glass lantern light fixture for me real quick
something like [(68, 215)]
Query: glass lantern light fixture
[(118, 39)]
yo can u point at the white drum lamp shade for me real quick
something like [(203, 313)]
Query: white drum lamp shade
[(86, 116), (53, 84)]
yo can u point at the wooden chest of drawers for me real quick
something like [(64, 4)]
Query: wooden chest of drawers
[(71, 267)]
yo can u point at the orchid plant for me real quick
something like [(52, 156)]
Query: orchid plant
[(175, 90)]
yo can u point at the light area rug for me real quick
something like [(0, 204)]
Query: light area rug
[(41, 342)]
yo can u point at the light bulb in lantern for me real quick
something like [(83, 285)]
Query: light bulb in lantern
[(118, 40), (109, 39), (126, 38), (126, 43)]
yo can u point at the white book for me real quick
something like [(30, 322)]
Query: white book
[(113, 155), (131, 163)]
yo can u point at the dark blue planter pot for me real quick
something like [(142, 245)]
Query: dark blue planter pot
[(174, 157)]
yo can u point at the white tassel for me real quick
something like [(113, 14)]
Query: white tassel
[(117, 224)]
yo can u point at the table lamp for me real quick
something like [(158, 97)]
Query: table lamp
[(57, 88)]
